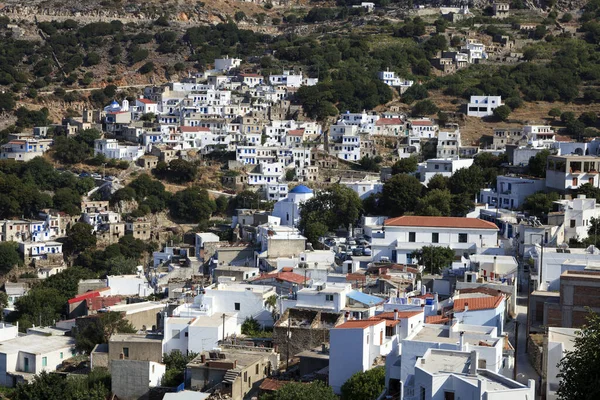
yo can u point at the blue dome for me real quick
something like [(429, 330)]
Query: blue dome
[(301, 189)]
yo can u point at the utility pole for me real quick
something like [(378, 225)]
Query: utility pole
[(516, 349), (287, 368), (223, 328)]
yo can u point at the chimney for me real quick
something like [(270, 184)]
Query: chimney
[(474, 363), (461, 341), (396, 315), (202, 358)]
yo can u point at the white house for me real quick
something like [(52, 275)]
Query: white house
[(39, 250), (267, 174), (364, 188), (443, 166), (146, 106), (288, 209), (32, 354), (558, 342), (475, 51), (199, 333), (422, 128), (129, 285), (25, 149), (288, 78), (448, 145), (481, 310), (324, 296), (389, 78), (571, 171), (226, 64), (578, 214), (354, 346), (483, 106), (511, 191), (251, 80), (247, 301), (401, 236), (111, 148), (444, 374)]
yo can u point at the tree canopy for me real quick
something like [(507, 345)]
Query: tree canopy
[(315, 390), (579, 368), (434, 258), (367, 385)]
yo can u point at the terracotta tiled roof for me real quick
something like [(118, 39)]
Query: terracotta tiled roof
[(477, 303), (436, 319), (250, 75), (389, 121), (296, 132), (355, 277), (98, 303), (283, 276), (146, 101), (358, 323), (440, 222)]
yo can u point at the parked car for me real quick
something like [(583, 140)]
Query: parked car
[(84, 175)]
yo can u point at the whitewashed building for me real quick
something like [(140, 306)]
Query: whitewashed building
[(442, 166), (483, 106), (511, 191), (403, 235), (288, 209), (111, 148)]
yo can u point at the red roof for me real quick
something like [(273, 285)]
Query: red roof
[(193, 129), (389, 121), (477, 303), (358, 323), (250, 75), (296, 132), (98, 303), (284, 276), (87, 295), (356, 277), (440, 222), (436, 319), (146, 101)]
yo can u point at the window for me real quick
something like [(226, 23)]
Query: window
[(328, 297), (257, 369), (61, 355), (367, 339), (448, 395), (422, 394), (412, 237), (573, 222), (44, 361), (126, 352), (175, 333), (462, 238), (435, 237), (245, 376), (236, 306)]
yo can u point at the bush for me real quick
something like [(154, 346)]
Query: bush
[(502, 113), (147, 68), (424, 107)]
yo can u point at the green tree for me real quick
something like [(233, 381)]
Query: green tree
[(41, 306), (192, 204), (424, 107), (438, 181), (540, 203), (405, 165), (79, 238), (315, 390), (435, 203), (578, 368), (99, 329), (250, 326), (554, 113), (467, 180), (502, 113), (434, 258), (175, 363), (336, 206), (589, 190), (367, 385), (400, 194), (7, 101), (67, 200), (9, 256), (537, 164)]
